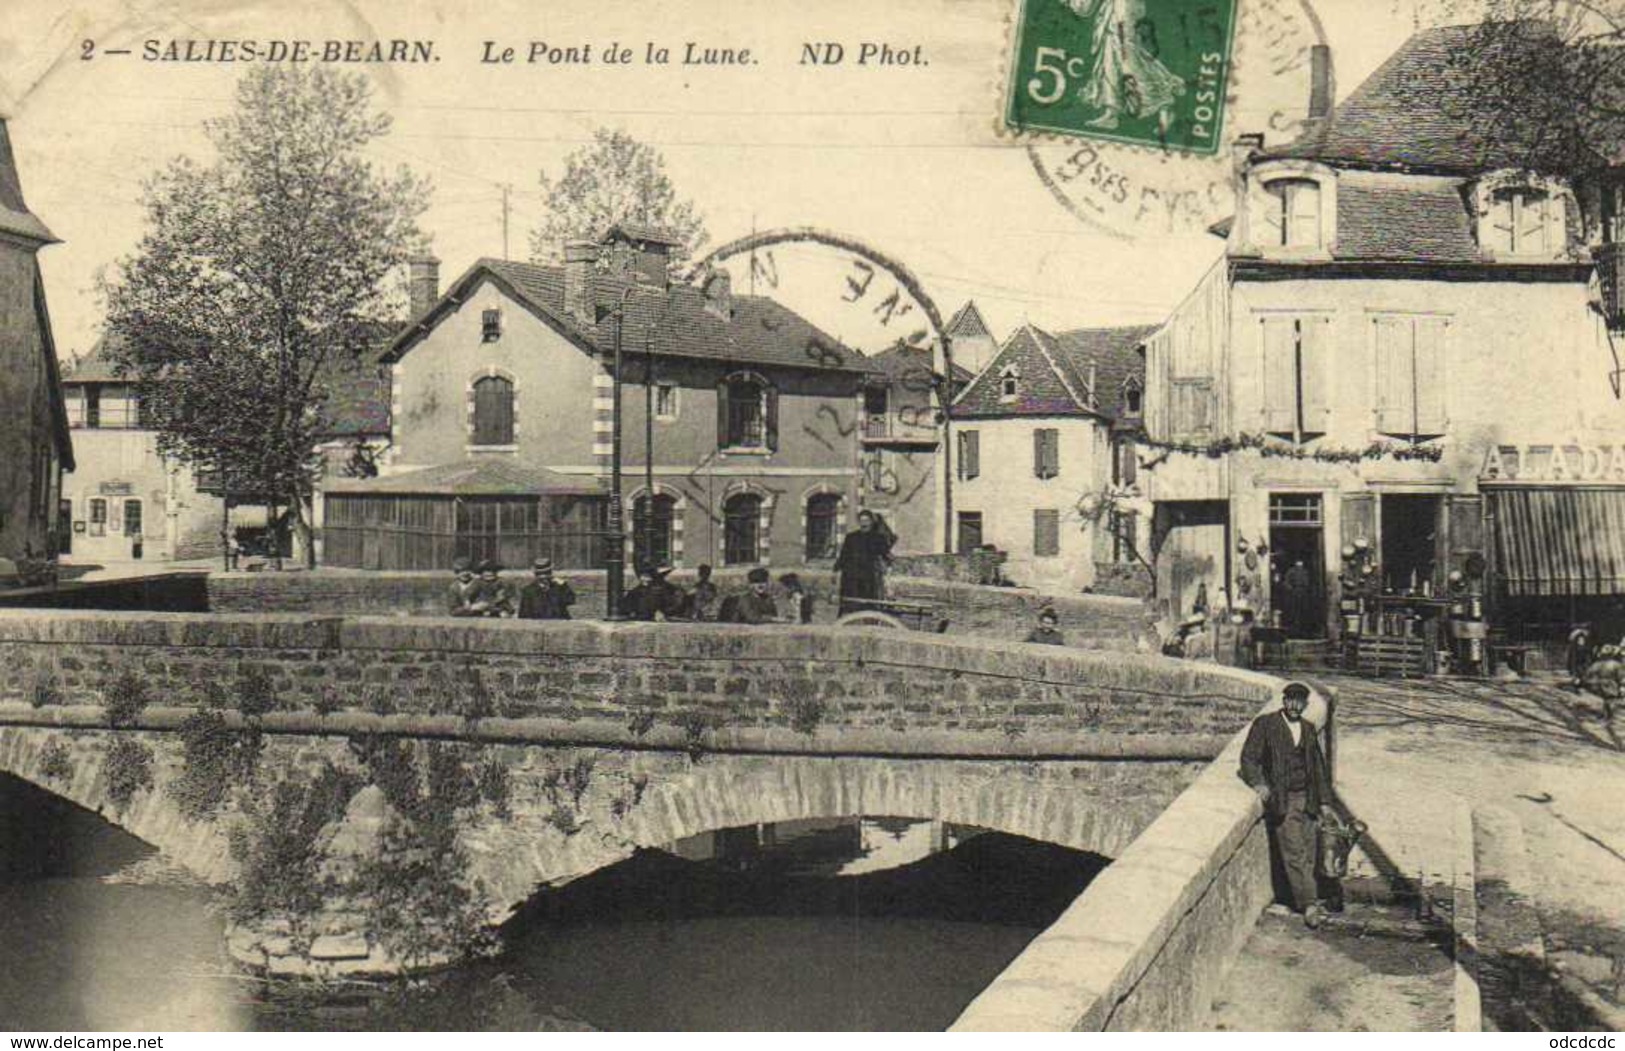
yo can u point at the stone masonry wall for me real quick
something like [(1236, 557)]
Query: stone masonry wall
[(1038, 699)]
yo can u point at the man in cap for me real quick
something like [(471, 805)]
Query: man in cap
[(460, 596), (756, 605), (1282, 761), (545, 597), (1046, 633)]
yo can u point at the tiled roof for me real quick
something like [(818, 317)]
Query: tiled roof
[(659, 235), (968, 321), (1054, 373), (357, 388), (1420, 220), (1115, 355), (1427, 108), (900, 360), (15, 218), (760, 331), (492, 476), (1046, 384)]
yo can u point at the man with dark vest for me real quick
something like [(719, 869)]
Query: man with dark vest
[(1282, 761), (545, 597)]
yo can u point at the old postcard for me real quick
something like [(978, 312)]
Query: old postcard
[(915, 515)]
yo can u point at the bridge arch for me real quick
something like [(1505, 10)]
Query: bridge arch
[(151, 816), (1094, 806)]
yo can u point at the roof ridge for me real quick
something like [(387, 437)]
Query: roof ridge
[(1087, 406)]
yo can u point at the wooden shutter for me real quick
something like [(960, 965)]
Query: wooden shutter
[(1038, 452), (1359, 518), (1046, 534), (722, 414), (493, 411), (970, 454), (1394, 356), (1267, 212), (1429, 343), (1052, 444), (1314, 335), (770, 422), (1280, 374), (1303, 214)]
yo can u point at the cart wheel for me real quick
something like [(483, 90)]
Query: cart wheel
[(869, 618)]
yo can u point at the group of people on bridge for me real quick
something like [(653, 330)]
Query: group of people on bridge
[(480, 591)]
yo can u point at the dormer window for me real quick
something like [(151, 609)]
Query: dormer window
[(1522, 215), (1292, 219), (1009, 384), (1519, 222), (1131, 397)]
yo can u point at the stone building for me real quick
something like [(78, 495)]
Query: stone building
[(502, 408), (1403, 301), (35, 446), (127, 501), (1034, 437)]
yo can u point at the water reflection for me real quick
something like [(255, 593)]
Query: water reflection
[(851, 923)]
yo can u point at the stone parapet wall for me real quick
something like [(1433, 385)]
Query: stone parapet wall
[(701, 678), (1147, 944)]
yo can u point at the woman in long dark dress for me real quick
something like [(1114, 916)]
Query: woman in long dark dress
[(862, 561)]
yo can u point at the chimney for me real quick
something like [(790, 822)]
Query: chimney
[(719, 294), (1320, 84), (422, 283), (580, 305), (1241, 157)]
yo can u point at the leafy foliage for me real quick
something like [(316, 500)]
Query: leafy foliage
[(806, 713), (615, 179), (55, 762), (127, 770), (416, 905), (44, 684), (1119, 510), (125, 698), (260, 271), (216, 760), (256, 692), (275, 847)]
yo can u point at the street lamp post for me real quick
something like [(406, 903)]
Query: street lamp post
[(615, 558)]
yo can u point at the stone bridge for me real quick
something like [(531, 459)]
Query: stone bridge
[(609, 737)]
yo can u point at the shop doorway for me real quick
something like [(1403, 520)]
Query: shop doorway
[(1409, 528), (1298, 563)]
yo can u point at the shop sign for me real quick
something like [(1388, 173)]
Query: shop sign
[(1573, 462), (116, 488)]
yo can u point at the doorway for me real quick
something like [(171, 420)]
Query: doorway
[(1409, 531), (1298, 563)]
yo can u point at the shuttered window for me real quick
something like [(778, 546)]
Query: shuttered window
[(493, 411), (1294, 368), (1519, 222), (970, 454), (1046, 533), (1411, 376), (1291, 214), (1046, 452)]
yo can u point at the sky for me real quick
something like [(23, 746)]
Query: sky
[(911, 160)]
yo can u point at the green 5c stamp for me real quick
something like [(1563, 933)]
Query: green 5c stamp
[(1145, 71)]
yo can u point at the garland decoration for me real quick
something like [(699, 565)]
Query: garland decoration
[(1268, 446)]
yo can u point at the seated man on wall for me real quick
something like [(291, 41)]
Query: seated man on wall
[(653, 598), (492, 596), (545, 597), (756, 605), (1282, 761)]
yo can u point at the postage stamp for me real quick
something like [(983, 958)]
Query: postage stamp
[(1140, 71)]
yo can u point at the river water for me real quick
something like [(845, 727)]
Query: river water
[(843, 924)]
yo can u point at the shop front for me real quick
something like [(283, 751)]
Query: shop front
[(1558, 517)]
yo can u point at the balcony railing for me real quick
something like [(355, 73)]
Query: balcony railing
[(1610, 259), (877, 427)]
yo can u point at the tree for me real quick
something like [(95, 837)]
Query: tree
[(1537, 84), (256, 272), (615, 179), (1117, 509)]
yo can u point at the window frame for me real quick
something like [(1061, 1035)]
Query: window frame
[(1046, 453), (1046, 532), (1009, 383), (1263, 201), (1305, 427), (476, 440), (833, 516), (1516, 186), (765, 400), (729, 536), (490, 324), (1417, 434), (667, 392), (970, 454)]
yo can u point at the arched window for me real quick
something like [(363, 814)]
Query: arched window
[(742, 529), (1292, 217), (651, 541), (823, 514), (493, 411)]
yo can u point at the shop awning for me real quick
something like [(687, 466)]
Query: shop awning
[(1560, 541)]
